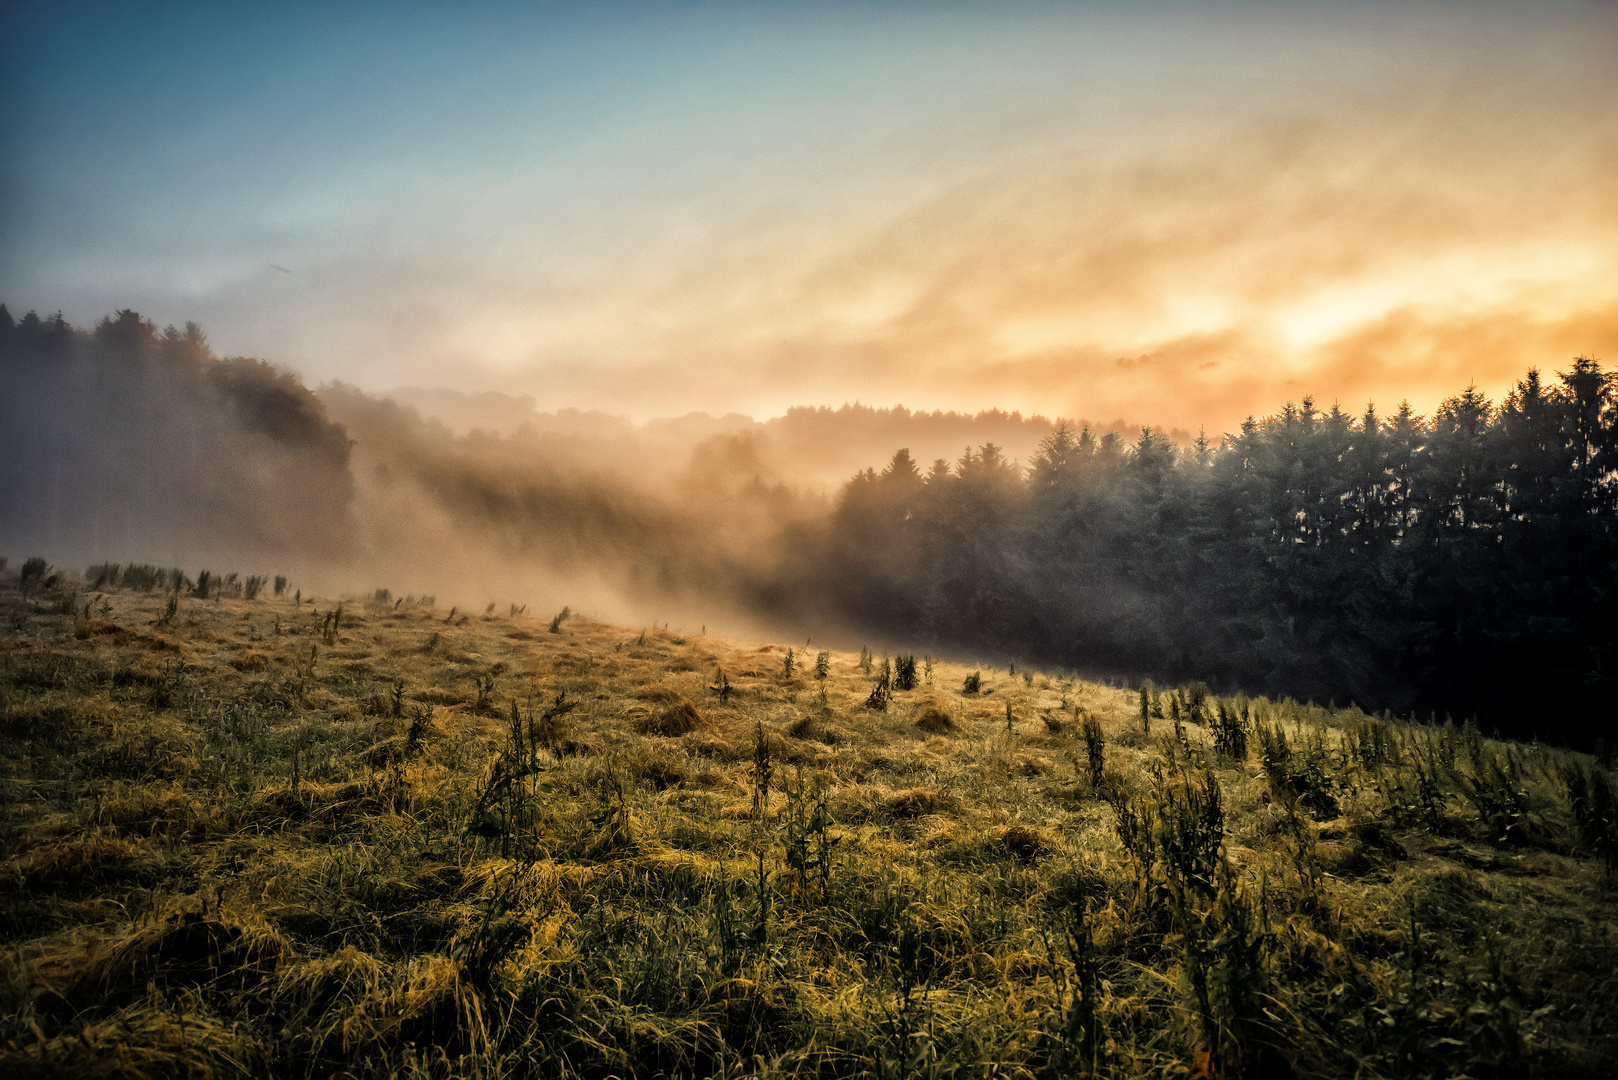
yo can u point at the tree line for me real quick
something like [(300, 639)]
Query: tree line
[(130, 441), (1465, 563)]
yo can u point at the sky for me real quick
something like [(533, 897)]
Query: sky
[(1175, 214)]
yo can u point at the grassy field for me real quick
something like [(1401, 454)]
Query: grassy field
[(260, 837)]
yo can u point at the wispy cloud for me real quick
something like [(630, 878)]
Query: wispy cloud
[(1175, 217)]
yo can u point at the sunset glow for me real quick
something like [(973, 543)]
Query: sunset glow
[(1178, 215)]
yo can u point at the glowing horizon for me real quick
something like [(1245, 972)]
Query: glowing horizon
[(1177, 216)]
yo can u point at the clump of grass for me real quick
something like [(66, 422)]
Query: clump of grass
[(679, 717), (912, 802), (1025, 843), (935, 721), (973, 683), (813, 728)]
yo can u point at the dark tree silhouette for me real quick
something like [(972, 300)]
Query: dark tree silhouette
[(1462, 564)]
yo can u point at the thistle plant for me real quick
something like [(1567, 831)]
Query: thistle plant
[(1095, 748)]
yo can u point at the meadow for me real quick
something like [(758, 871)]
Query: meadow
[(249, 832)]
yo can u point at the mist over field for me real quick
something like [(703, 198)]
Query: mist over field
[(138, 444), (1402, 562)]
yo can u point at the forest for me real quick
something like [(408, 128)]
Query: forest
[(1463, 563), (1460, 564)]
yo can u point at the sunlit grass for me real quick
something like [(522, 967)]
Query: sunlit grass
[(251, 837)]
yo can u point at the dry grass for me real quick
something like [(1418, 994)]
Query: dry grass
[(479, 848)]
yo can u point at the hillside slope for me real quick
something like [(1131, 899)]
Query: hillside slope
[(259, 837)]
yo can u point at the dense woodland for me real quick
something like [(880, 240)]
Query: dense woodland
[(1463, 563), (135, 441)]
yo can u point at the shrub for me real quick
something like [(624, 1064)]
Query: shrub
[(721, 686), (1174, 833), (882, 692), (904, 673), (1499, 797), (1196, 703), (1190, 828), (1230, 733), (1095, 747), (805, 837), (1297, 776), (1595, 812), (763, 770), (973, 683), (31, 575)]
